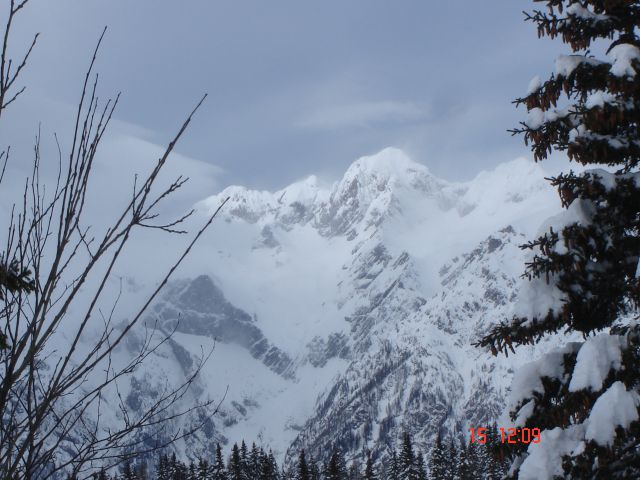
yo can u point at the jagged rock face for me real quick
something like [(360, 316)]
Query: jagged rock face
[(367, 193), (424, 377), (198, 307), (321, 350), (345, 315)]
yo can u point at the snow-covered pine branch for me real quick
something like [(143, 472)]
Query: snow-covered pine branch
[(583, 268)]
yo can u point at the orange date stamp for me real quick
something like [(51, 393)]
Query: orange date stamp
[(507, 435)]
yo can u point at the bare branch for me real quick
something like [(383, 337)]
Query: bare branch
[(49, 390)]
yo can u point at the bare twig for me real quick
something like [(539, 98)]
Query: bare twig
[(49, 390)]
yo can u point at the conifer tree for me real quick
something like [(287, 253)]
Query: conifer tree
[(336, 469), (219, 472), (453, 459), (302, 470), (496, 464), (128, 472), (314, 469), (407, 460), (393, 468), (253, 462), (468, 465), (440, 462), (193, 472), (172, 466), (269, 469), (204, 469), (354, 470), (370, 469), (286, 474), (583, 271), (481, 456), (141, 470), (162, 468), (422, 472), (101, 475), (235, 465), (179, 470), (244, 460)]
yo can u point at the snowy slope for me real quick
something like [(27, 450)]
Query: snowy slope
[(344, 314)]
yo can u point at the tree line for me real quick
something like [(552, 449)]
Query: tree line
[(449, 459)]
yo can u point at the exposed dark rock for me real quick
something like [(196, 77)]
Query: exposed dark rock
[(199, 307)]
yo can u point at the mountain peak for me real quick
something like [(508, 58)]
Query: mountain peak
[(304, 191), (374, 187), (245, 204), (390, 162)]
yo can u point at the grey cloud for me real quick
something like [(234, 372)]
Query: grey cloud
[(292, 84), (363, 114)]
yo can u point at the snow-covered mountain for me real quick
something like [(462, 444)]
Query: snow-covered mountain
[(343, 315)]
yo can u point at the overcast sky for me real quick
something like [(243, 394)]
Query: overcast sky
[(295, 87)]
